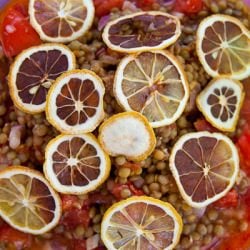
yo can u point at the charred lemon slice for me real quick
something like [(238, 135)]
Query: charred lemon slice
[(34, 71), (141, 223), (223, 47), (142, 31), (75, 164), (128, 134), (75, 102), (205, 167), (27, 202), (220, 102), (154, 84), (61, 20)]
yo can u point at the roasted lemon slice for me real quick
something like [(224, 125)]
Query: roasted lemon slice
[(141, 223), (75, 102), (34, 71), (128, 134), (75, 164), (61, 20), (205, 166), (220, 102), (27, 202), (154, 84), (223, 47), (142, 31)]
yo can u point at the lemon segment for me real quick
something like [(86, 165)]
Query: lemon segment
[(27, 201), (223, 47), (220, 102), (75, 102), (205, 167), (141, 223), (151, 30), (34, 71), (61, 21), (128, 134), (75, 164), (154, 84)]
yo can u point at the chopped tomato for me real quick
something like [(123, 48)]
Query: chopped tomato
[(103, 7), (236, 241), (116, 191), (202, 125), (74, 217), (245, 110), (16, 33), (79, 245), (243, 145), (12, 236), (189, 6), (145, 4), (229, 200), (69, 202), (246, 202)]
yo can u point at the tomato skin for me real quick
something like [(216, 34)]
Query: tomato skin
[(228, 201), (145, 4), (12, 236), (236, 241), (189, 6), (16, 33), (243, 145), (69, 202), (79, 245), (103, 7), (245, 109), (75, 217)]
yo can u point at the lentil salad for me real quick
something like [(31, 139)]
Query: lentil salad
[(23, 139)]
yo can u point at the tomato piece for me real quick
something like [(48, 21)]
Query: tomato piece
[(79, 245), (12, 236), (189, 6), (16, 33), (103, 7), (243, 145), (145, 4), (116, 191), (202, 125), (245, 110), (236, 241), (69, 202), (229, 200), (74, 217)]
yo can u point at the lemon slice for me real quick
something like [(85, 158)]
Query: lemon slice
[(128, 134), (205, 167), (154, 84), (141, 223), (75, 102), (34, 71), (223, 47), (27, 202), (142, 31), (220, 102), (75, 164), (61, 20)]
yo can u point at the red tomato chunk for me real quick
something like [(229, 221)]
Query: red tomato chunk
[(16, 33)]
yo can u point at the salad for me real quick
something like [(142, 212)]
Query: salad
[(125, 124)]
